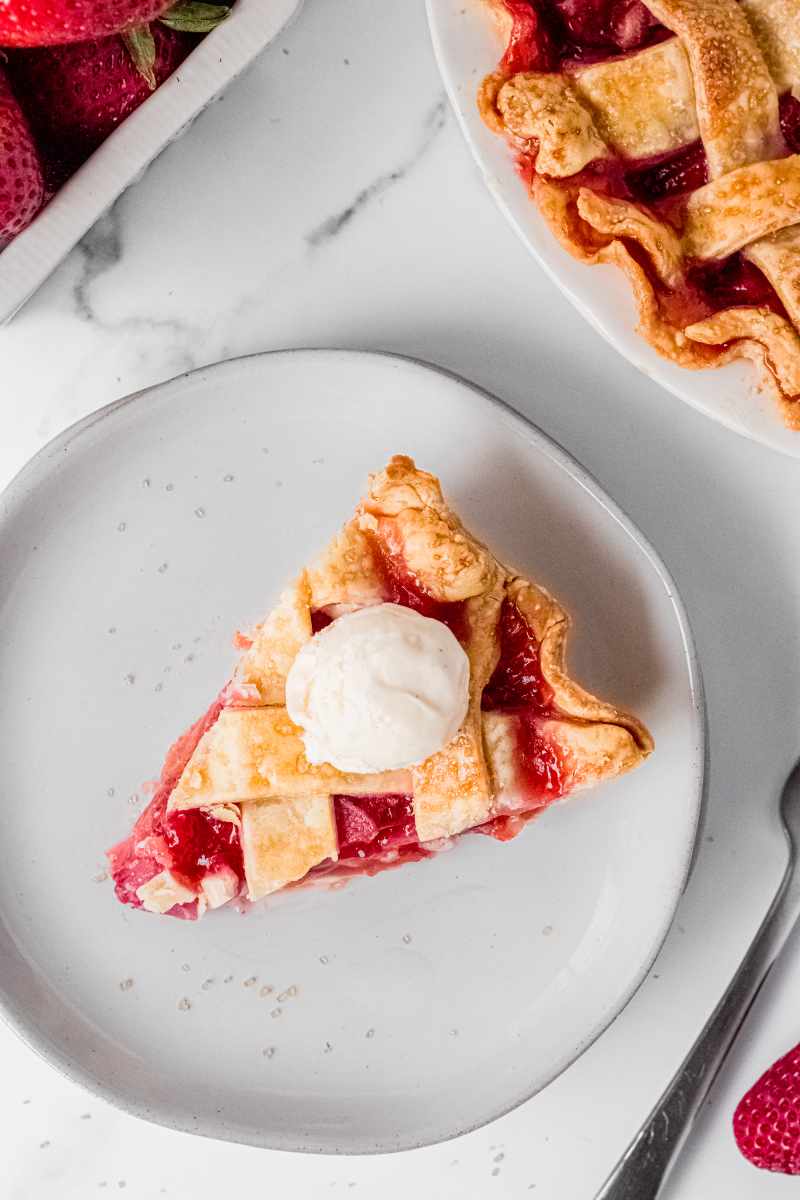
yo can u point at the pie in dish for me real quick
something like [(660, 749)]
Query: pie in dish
[(406, 630), (665, 138)]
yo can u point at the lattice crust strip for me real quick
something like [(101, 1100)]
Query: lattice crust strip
[(719, 79), (254, 756)]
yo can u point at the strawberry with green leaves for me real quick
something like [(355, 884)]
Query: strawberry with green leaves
[(75, 95), (21, 186)]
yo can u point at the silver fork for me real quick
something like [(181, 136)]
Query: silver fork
[(643, 1168)]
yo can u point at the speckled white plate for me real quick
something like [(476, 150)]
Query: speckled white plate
[(468, 47), (401, 1010)]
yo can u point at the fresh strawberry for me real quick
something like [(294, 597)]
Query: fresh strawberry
[(766, 1123), (75, 96), (21, 186), (52, 22)]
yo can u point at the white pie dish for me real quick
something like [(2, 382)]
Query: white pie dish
[(451, 990), (467, 45), (125, 155)]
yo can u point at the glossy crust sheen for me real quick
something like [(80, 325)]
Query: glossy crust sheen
[(719, 79), (254, 755)]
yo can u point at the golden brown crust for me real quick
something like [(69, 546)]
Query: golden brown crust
[(618, 219), (546, 112), (276, 644), (643, 104), (719, 78), (587, 753), (258, 754), (401, 486), (255, 756), (283, 838), (593, 751), (776, 28), (764, 337), (741, 207), (722, 338), (637, 106), (406, 511), (409, 515), (727, 214), (346, 575), (488, 92), (550, 625), (560, 210), (737, 103), (452, 790), (778, 257)]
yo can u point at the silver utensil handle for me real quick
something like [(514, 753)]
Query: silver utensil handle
[(643, 1167)]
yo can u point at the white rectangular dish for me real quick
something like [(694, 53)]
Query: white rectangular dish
[(120, 161)]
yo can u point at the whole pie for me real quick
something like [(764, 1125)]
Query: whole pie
[(665, 138), (407, 688)]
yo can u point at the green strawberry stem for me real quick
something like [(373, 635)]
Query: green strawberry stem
[(141, 46), (192, 16)]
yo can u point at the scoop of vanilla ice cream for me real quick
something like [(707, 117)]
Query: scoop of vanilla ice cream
[(379, 689)]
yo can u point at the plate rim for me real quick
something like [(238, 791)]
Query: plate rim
[(36, 470), (776, 440)]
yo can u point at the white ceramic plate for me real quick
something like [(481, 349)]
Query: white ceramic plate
[(467, 47), (429, 1000)]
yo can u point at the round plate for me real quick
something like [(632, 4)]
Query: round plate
[(397, 1011), (468, 47)]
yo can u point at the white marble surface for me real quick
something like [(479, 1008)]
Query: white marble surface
[(328, 200)]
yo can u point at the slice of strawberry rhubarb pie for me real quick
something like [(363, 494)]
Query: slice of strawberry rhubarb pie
[(407, 688)]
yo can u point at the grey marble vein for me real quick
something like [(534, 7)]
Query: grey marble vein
[(102, 248), (432, 126)]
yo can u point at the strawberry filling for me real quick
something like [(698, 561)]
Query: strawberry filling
[(320, 620), (518, 688), (547, 34), (401, 586), (378, 832), (374, 832), (790, 121), (517, 682), (191, 844), (661, 183), (667, 175), (551, 35), (369, 824)]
